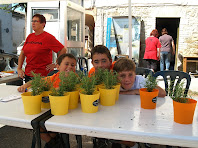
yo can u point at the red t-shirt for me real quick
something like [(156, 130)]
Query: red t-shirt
[(92, 70), (38, 51), (152, 43)]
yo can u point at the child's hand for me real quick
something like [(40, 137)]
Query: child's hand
[(22, 88)]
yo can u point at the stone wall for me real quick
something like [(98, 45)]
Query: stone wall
[(188, 27)]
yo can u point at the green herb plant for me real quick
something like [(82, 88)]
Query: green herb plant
[(151, 83), (46, 84), (36, 84), (110, 79), (88, 85), (99, 76), (177, 94), (59, 91), (70, 82)]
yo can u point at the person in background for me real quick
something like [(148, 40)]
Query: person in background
[(130, 82), (65, 63), (152, 50), (167, 48), (38, 49), (101, 58)]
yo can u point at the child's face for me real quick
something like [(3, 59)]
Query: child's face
[(127, 78), (67, 65), (101, 61)]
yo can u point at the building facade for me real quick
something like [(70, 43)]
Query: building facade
[(180, 18)]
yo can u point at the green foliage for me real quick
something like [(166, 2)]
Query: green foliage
[(177, 94), (88, 85), (99, 76), (9, 8), (110, 79), (80, 74), (36, 84), (151, 83), (46, 84), (70, 82), (60, 91)]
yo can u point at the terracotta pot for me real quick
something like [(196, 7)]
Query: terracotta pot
[(32, 104), (184, 112), (89, 103), (59, 104), (148, 99)]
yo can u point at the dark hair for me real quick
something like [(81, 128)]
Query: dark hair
[(101, 50), (124, 64), (60, 59), (164, 31), (42, 19), (154, 33)]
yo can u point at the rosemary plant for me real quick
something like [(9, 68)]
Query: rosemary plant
[(99, 76), (88, 85), (60, 91), (151, 83), (178, 93), (109, 79), (70, 82), (36, 84)]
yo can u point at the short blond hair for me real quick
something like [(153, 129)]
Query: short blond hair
[(124, 64)]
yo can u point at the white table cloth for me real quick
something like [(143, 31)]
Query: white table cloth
[(128, 121)]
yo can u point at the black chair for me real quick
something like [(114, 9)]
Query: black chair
[(143, 71), (52, 72), (82, 63), (173, 76)]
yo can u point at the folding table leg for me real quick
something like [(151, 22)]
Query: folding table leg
[(65, 138), (79, 141)]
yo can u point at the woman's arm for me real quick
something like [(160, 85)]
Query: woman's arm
[(20, 63)]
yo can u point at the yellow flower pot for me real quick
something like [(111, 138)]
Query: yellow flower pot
[(107, 96), (74, 98), (45, 100), (100, 86), (32, 104), (89, 103), (117, 91), (59, 104)]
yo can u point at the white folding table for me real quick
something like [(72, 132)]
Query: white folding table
[(12, 113), (128, 121)]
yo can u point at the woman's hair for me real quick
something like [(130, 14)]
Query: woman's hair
[(100, 49), (154, 33), (60, 59), (42, 19), (164, 31), (124, 64)]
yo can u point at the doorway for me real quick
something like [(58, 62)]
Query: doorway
[(172, 26)]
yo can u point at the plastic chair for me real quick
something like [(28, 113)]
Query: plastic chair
[(174, 75), (82, 63), (143, 71), (52, 72)]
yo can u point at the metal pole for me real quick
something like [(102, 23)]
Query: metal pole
[(130, 29)]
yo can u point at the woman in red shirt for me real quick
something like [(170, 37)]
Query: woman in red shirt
[(152, 50)]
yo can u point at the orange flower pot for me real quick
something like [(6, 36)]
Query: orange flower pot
[(184, 112), (148, 99)]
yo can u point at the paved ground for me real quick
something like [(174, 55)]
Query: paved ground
[(12, 137)]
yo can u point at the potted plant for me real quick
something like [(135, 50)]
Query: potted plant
[(32, 100), (116, 85), (70, 85), (108, 93), (46, 87), (88, 96), (59, 99), (99, 78), (148, 95), (183, 105)]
